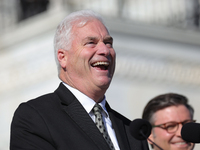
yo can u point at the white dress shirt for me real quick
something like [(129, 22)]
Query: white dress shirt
[(88, 104)]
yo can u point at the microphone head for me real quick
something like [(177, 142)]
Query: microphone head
[(190, 132), (140, 129)]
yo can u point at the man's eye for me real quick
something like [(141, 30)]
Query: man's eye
[(171, 126), (109, 44), (90, 43)]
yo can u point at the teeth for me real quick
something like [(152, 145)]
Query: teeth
[(100, 63), (180, 143)]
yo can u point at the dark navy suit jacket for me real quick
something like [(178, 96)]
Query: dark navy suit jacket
[(57, 121)]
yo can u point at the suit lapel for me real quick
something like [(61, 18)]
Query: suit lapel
[(119, 128), (77, 113)]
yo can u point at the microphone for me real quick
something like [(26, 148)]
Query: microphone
[(141, 129), (190, 132)]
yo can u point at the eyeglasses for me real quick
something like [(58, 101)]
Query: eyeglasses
[(172, 127)]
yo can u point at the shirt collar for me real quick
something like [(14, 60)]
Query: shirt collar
[(86, 102)]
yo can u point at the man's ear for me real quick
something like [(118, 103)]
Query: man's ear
[(62, 57)]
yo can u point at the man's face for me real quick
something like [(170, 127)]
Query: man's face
[(90, 63), (170, 141)]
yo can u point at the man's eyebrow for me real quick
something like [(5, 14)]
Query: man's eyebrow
[(108, 38), (90, 38)]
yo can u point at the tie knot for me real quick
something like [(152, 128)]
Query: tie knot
[(97, 108)]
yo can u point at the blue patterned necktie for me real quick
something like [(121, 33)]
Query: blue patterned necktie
[(100, 125)]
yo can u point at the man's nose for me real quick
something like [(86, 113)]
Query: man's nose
[(178, 132), (103, 49)]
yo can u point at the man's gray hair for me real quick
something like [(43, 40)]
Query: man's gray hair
[(63, 37)]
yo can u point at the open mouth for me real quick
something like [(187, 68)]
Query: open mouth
[(180, 143), (101, 65)]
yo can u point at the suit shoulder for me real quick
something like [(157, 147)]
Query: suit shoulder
[(47, 101), (38, 108), (43, 99), (49, 98)]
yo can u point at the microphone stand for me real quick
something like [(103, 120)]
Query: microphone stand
[(151, 140)]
